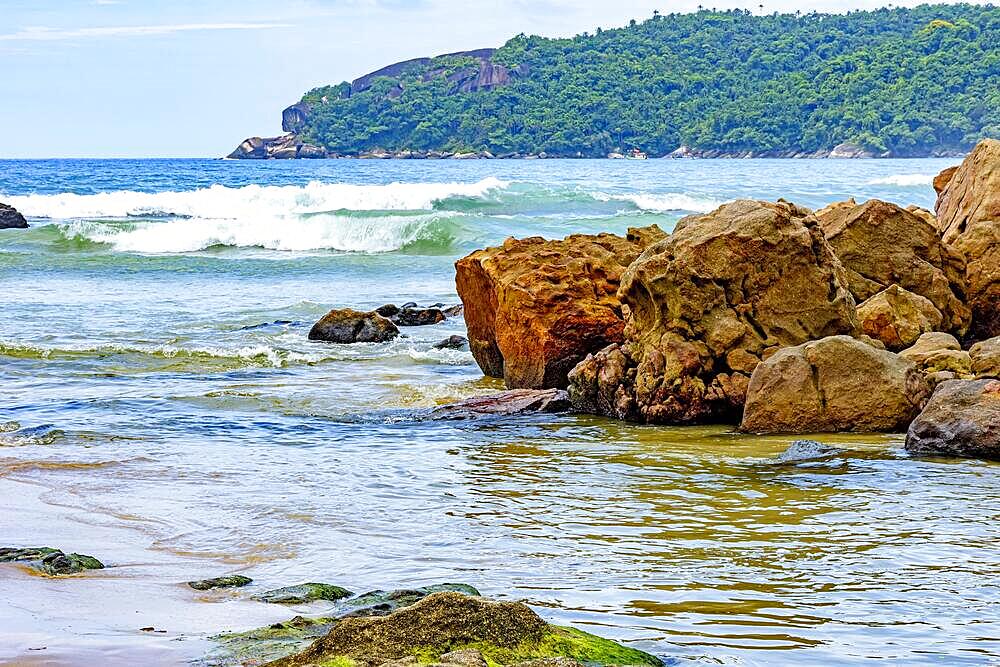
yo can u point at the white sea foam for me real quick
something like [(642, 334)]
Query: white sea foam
[(906, 180), (663, 202), (316, 232), (272, 202)]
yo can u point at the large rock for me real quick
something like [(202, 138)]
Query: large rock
[(961, 419), (834, 384), (985, 357), (503, 633), (968, 211), (11, 218), (705, 305), (881, 244), (897, 317), (534, 308), (345, 325)]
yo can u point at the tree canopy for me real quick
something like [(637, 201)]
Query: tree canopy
[(901, 81)]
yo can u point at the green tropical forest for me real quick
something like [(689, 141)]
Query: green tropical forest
[(895, 81)]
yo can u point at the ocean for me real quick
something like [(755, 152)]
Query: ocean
[(163, 410)]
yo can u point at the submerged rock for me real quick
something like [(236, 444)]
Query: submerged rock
[(231, 581), (961, 419), (345, 325), (50, 561), (11, 218), (506, 403), (504, 633), (833, 384), (309, 592), (881, 245), (968, 211), (807, 450), (706, 305), (452, 343), (535, 308)]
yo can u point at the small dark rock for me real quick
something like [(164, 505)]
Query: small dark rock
[(345, 325), (10, 218), (454, 311), (232, 581), (506, 403), (309, 592), (51, 561), (418, 317), (388, 310), (380, 603), (452, 343)]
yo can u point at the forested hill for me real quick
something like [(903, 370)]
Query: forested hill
[(901, 82)]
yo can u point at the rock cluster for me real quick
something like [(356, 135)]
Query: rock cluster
[(758, 313), (706, 305), (285, 147)]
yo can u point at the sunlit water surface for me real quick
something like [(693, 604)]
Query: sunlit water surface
[(168, 415)]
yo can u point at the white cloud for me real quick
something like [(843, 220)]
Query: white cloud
[(43, 33)]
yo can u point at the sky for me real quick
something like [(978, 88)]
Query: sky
[(192, 78)]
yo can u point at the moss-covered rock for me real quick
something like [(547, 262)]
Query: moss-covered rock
[(261, 645), (231, 581), (504, 633), (52, 562), (308, 592)]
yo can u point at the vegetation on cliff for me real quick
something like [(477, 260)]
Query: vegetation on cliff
[(899, 81)]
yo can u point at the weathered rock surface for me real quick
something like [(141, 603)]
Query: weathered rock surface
[(346, 325), (285, 147), (962, 418), (534, 308), (968, 211), (897, 317), (881, 244), (260, 645), (52, 562), (705, 305), (834, 384), (230, 581), (503, 632), (418, 317), (308, 592), (506, 403), (937, 352), (11, 218), (985, 358)]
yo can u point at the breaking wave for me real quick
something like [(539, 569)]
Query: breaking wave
[(271, 202), (905, 180), (338, 217)]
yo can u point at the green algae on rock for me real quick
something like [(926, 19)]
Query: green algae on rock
[(504, 633), (308, 592), (232, 581), (275, 641), (52, 562)]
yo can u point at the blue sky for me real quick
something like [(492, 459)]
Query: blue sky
[(138, 78)]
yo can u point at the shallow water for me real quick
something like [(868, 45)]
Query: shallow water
[(163, 411)]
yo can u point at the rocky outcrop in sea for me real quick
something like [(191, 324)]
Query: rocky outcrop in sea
[(765, 314)]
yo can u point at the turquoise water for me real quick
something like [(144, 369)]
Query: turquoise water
[(169, 416)]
